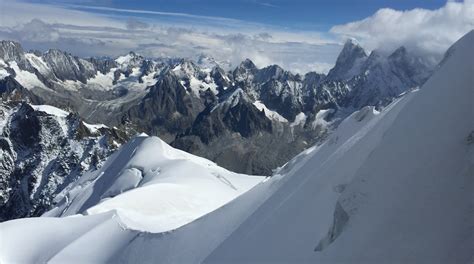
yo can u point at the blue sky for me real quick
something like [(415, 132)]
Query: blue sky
[(296, 14), (299, 35)]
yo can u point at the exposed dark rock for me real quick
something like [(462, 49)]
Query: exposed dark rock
[(41, 154)]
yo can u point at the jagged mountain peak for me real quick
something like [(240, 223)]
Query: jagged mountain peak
[(352, 41), (272, 72), (206, 61), (352, 46), (186, 68), (13, 51), (349, 61), (400, 52), (245, 71), (10, 49), (247, 64), (11, 45), (131, 59)]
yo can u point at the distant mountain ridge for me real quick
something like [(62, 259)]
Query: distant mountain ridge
[(198, 106)]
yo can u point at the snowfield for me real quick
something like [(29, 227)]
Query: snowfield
[(393, 186), (153, 187)]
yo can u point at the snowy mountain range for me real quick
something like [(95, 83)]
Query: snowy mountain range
[(228, 116), (391, 184)]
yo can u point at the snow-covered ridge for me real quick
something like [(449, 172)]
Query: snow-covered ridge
[(154, 187), (50, 110)]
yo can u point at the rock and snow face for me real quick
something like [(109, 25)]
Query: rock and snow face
[(349, 63), (145, 187), (42, 150), (170, 97), (390, 186)]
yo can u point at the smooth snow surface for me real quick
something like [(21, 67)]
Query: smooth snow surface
[(50, 110), (154, 187), (393, 186), (397, 191)]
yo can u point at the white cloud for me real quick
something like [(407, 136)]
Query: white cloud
[(113, 32), (427, 31), (84, 33), (14, 13)]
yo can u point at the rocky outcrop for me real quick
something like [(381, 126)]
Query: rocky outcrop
[(67, 67), (11, 90), (41, 153)]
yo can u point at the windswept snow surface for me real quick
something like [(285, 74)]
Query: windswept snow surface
[(153, 187), (147, 187), (386, 187), (398, 191)]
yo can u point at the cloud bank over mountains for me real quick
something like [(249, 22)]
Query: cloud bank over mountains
[(422, 30), (97, 31)]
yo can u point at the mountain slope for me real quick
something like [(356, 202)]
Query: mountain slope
[(401, 192), (42, 150), (153, 187), (391, 186), (172, 98), (144, 187)]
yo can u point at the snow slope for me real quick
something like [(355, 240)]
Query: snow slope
[(153, 187), (386, 187), (398, 191), (273, 115), (145, 187)]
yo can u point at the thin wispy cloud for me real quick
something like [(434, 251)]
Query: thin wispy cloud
[(158, 13), (116, 34), (267, 4), (88, 30)]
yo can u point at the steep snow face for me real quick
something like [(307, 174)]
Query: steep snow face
[(273, 115), (153, 187), (25, 78), (39, 64), (396, 191)]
